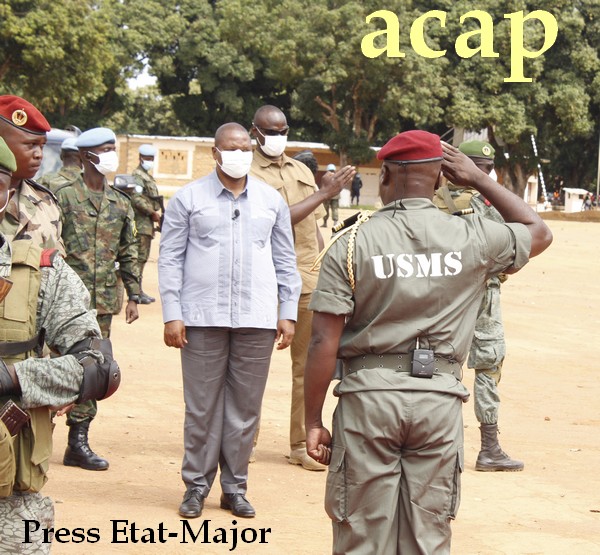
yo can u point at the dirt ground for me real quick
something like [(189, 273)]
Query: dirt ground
[(550, 418)]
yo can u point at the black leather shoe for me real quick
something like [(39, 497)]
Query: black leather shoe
[(192, 504), (237, 504)]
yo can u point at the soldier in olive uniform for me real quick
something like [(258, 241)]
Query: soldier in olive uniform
[(98, 230), (146, 206), (397, 299), (32, 212), (44, 300), (488, 348), (70, 170)]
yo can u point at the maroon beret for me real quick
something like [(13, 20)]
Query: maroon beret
[(23, 115), (412, 146)]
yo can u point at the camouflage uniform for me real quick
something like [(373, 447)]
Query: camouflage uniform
[(61, 307), (96, 240), (55, 180), (488, 347), (144, 205), (33, 214)]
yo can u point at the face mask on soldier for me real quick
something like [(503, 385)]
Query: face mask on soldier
[(108, 162), (147, 164)]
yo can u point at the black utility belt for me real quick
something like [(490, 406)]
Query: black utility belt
[(421, 363)]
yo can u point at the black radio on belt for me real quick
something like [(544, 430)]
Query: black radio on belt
[(422, 363)]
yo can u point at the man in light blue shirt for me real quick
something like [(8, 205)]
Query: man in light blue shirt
[(229, 288)]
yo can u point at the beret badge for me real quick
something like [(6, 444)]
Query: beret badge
[(19, 118)]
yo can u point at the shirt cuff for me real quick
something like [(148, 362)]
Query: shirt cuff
[(288, 310), (172, 312)]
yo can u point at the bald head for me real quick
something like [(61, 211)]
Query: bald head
[(400, 181), (268, 116), (230, 132)]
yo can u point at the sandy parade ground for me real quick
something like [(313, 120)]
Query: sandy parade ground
[(550, 418)]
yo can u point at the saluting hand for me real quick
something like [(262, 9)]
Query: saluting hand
[(459, 168)]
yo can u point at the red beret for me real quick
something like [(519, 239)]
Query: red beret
[(411, 146), (23, 115)]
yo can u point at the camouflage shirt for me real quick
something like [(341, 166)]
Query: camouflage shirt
[(57, 179), (32, 213), (63, 311), (144, 203), (97, 240)]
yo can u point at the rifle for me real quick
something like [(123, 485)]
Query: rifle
[(161, 201)]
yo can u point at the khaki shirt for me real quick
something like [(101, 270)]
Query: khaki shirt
[(418, 271), (33, 213), (295, 182)]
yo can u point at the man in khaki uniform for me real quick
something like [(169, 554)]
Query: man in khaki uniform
[(397, 299), (488, 348), (32, 212), (297, 185)]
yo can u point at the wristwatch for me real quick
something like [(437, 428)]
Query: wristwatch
[(134, 298)]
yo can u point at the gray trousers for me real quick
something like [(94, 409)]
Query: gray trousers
[(224, 376), (394, 479)]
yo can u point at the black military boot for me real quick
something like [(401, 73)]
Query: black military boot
[(78, 451), (491, 458), (144, 298)]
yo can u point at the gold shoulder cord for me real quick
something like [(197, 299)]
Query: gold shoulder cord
[(364, 216)]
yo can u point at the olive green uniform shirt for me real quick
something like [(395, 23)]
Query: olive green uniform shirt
[(418, 271), (97, 239), (295, 182), (57, 179)]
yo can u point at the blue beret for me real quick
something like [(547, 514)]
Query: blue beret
[(69, 144), (147, 150), (331, 168), (95, 137)]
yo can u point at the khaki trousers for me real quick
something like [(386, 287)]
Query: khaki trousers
[(393, 484), (299, 352)]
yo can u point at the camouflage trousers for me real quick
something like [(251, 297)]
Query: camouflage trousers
[(486, 355), (144, 243), (16, 535), (89, 409)]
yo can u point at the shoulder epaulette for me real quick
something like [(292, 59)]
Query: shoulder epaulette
[(42, 188), (47, 257), (346, 223), (119, 191)]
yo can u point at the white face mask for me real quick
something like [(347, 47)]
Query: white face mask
[(274, 144), (236, 163), (108, 162), (147, 164)]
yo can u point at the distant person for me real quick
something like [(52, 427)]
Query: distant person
[(355, 188), (32, 212), (488, 347), (229, 289), (146, 205), (296, 183), (309, 160), (587, 202), (71, 166), (332, 204), (99, 233)]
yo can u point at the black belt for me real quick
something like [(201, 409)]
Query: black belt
[(13, 348), (399, 362)]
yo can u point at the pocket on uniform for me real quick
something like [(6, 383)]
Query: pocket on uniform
[(336, 488), (456, 484)]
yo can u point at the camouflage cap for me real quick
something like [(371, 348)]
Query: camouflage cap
[(23, 115), (477, 149), (7, 158)]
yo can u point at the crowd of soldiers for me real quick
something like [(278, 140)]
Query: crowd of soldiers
[(71, 243)]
